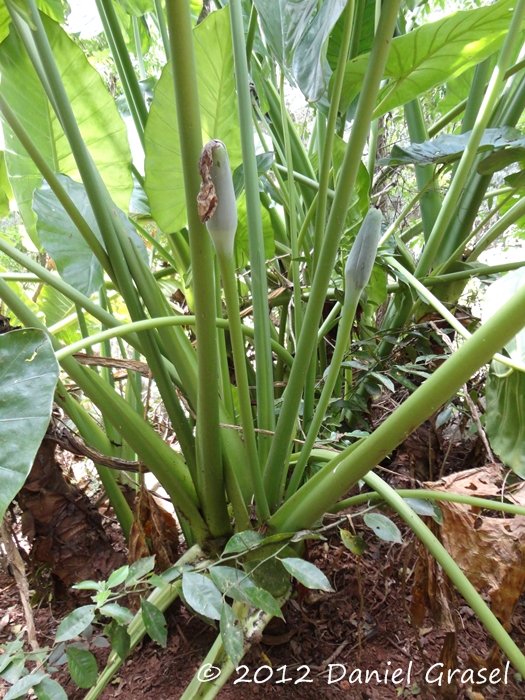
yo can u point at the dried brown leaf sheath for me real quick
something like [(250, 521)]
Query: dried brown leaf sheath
[(207, 197)]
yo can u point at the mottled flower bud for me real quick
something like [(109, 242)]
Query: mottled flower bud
[(216, 200)]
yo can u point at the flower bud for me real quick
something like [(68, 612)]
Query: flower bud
[(216, 200), (361, 258)]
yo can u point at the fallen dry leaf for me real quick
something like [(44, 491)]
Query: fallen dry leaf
[(153, 523), (490, 551)]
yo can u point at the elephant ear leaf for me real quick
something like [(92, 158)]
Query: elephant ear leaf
[(505, 390), (28, 376)]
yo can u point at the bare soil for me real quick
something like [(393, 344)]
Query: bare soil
[(364, 626)]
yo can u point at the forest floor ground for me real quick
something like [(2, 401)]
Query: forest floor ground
[(364, 625)]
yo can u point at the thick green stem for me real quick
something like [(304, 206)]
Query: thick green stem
[(343, 334), (324, 170), (430, 201), (209, 460), (448, 210), (328, 485), (157, 306), (423, 494), (127, 73), (243, 392), (261, 317), (162, 28), (292, 396), (458, 578)]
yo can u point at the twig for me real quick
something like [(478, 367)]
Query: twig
[(115, 362), (19, 572), (63, 437)]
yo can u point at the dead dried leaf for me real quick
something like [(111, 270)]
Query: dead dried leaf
[(207, 197), (153, 523), (490, 551)]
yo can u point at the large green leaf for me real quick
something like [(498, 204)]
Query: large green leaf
[(310, 66), (505, 399), (218, 101), (28, 375), (56, 9), (365, 39), (61, 239), (447, 148), (505, 389), (284, 23), (432, 54), (137, 7), (57, 308), (97, 116)]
